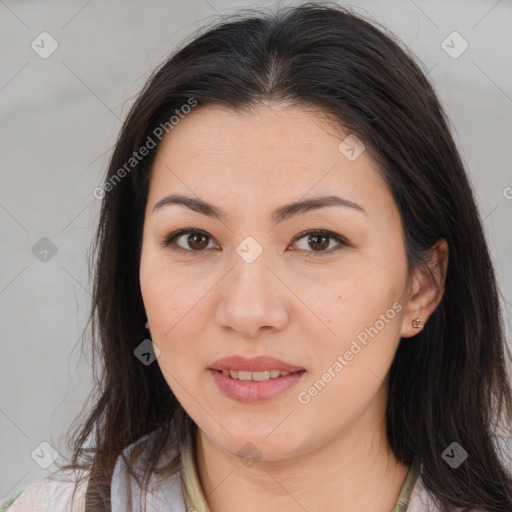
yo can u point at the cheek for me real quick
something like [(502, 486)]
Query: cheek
[(357, 299), (351, 371), (171, 294), (363, 311), (176, 322), (174, 309)]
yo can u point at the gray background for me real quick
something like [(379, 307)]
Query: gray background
[(60, 118)]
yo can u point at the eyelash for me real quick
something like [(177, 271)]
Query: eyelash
[(170, 239)]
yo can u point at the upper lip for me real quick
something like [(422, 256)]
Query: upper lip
[(254, 364)]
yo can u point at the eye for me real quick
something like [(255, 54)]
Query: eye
[(320, 240), (194, 240)]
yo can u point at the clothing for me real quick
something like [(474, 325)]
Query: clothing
[(179, 492)]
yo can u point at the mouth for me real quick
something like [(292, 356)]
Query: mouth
[(256, 376), (267, 365), (254, 380)]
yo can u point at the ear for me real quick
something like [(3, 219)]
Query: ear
[(426, 289)]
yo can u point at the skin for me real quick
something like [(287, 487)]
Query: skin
[(331, 452)]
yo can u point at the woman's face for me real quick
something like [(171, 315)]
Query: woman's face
[(252, 283)]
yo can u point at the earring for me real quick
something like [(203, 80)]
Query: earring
[(416, 323)]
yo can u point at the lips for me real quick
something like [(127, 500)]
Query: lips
[(247, 380), (255, 364)]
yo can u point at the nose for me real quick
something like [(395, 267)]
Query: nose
[(252, 299)]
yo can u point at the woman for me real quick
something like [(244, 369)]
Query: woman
[(294, 303)]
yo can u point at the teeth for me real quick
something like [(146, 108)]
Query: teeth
[(255, 376), (259, 376)]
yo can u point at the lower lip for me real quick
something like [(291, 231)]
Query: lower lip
[(254, 392)]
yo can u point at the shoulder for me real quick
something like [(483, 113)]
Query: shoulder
[(422, 501), (161, 493), (53, 493), (65, 491)]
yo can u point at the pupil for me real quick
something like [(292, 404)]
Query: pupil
[(194, 241), (323, 244)]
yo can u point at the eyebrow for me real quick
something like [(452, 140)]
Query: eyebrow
[(278, 215)]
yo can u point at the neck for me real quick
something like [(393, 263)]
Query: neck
[(353, 471)]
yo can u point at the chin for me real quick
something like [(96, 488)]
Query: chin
[(254, 442)]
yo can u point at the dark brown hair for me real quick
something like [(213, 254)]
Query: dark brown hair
[(451, 383)]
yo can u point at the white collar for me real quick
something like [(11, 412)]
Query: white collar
[(164, 493)]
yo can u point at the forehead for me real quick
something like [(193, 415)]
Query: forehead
[(269, 133), (268, 155)]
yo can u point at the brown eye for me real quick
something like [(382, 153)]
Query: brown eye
[(317, 242), (197, 241), (187, 240)]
